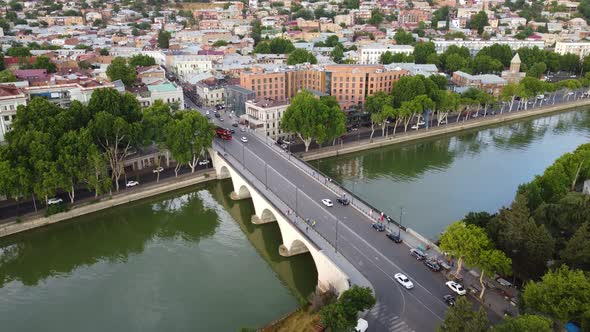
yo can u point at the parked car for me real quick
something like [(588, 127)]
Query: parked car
[(232, 131), (221, 119), (207, 112), (244, 139), (204, 162), (403, 280), (419, 254), (395, 237), (284, 146), (243, 129), (327, 202), (235, 124), (54, 200), (158, 170), (378, 226), (415, 127), (217, 115), (449, 299), (361, 325), (343, 200), (432, 265), (456, 287), (131, 184)]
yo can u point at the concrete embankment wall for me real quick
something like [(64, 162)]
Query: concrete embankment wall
[(106, 203), (452, 127)]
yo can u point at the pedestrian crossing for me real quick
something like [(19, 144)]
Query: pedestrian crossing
[(391, 322)]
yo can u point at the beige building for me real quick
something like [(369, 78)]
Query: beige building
[(581, 49), (513, 75), (264, 116), (10, 98)]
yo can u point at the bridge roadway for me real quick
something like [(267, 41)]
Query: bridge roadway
[(374, 255)]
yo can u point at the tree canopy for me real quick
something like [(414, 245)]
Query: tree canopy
[(301, 55), (120, 70)]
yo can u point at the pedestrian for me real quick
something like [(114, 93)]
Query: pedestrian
[(307, 228), (307, 220), (313, 224), (371, 213)]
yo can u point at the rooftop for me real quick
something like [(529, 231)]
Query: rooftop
[(166, 87)]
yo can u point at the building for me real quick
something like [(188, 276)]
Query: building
[(264, 116), (491, 84), (185, 66), (581, 49), (513, 75), (10, 98), (62, 20), (236, 97), (151, 74), (210, 94), (475, 45), (413, 16), (371, 54), (167, 92)]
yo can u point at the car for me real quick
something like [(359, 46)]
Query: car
[(286, 142), (208, 117), (378, 226), (235, 124), (204, 162), (232, 131), (415, 127), (403, 280), (449, 299), (243, 129), (284, 146), (207, 113), (131, 184), (539, 97), (395, 237), (475, 115), (443, 121), (419, 254), (158, 170), (327, 202), (343, 200), (361, 325), (54, 200), (570, 93), (456, 287), (421, 123), (221, 119), (244, 139), (433, 265), (217, 115)]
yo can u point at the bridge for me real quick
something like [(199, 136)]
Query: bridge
[(344, 247)]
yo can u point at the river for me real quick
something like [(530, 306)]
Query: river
[(437, 181), (185, 261)]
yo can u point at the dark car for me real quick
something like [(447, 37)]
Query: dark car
[(235, 124), (217, 115), (432, 265), (208, 117), (343, 200), (395, 237), (419, 254), (449, 299), (232, 131), (378, 226)]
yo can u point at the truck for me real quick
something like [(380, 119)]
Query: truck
[(223, 133)]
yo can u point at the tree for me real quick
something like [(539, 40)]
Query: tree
[(563, 294), (342, 314), (376, 17), (256, 33), (456, 62), (155, 120), (219, 43), (164, 39), (569, 62), (422, 51), (43, 62), (335, 119), (502, 53), (336, 318), (104, 52), (479, 21), (140, 60), (6, 76), (403, 38), (492, 261), (537, 70), (524, 323), (307, 118), (115, 127), (72, 149), (119, 70), (484, 64), (386, 58), (301, 55), (466, 242), (337, 54), (577, 250), (2, 64), (18, 51), (188, 136), (462, 318)]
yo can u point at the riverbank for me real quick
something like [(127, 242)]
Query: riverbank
[(412, 135), (36, 220)]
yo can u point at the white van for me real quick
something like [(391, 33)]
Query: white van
[(362, 325), (539, 97)]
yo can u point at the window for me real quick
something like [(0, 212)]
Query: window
[(6, 118)]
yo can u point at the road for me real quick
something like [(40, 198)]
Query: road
[(374, 255)]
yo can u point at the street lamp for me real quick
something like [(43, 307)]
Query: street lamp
[(399, 228), (296, 205), (266, 176)]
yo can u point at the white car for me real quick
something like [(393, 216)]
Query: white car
[(421, 123), (132, 184), (327, 202), (570, 93), (54, 200), (204, 162), (456, 287), (403, 280), (244, 139), (415, 127), (207, 113), (361, 325), (243, 129), (158, 170)]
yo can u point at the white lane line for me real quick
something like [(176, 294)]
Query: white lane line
[(393, 280)]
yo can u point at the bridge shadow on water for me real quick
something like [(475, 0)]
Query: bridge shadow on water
[(298, 272)]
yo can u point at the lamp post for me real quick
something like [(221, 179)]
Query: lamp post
[(336, 242), (296, 205), (399, 228), (265, 175)]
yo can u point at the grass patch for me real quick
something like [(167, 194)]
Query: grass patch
[(302, 320)]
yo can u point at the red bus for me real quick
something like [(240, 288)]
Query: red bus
[(223, 133)]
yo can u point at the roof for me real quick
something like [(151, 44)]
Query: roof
[(9, 91), (166, 87), (515, 59)]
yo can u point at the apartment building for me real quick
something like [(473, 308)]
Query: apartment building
[(10, 98), (475, 45), (349, 84), (371, 54), (264, 116), (581, 49)]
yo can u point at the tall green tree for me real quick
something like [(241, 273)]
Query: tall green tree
[(524, 323), (164, 39), (386, 58), (376, 17), (301, 55), (577, 250), (188, 136), (72, 155), (403, 38), (462, 318), (422, 51), (337, 54), (155, 121), (141, 60), (479, 21), (119, 70), (466, 242), (43, 62), (6, 76)]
